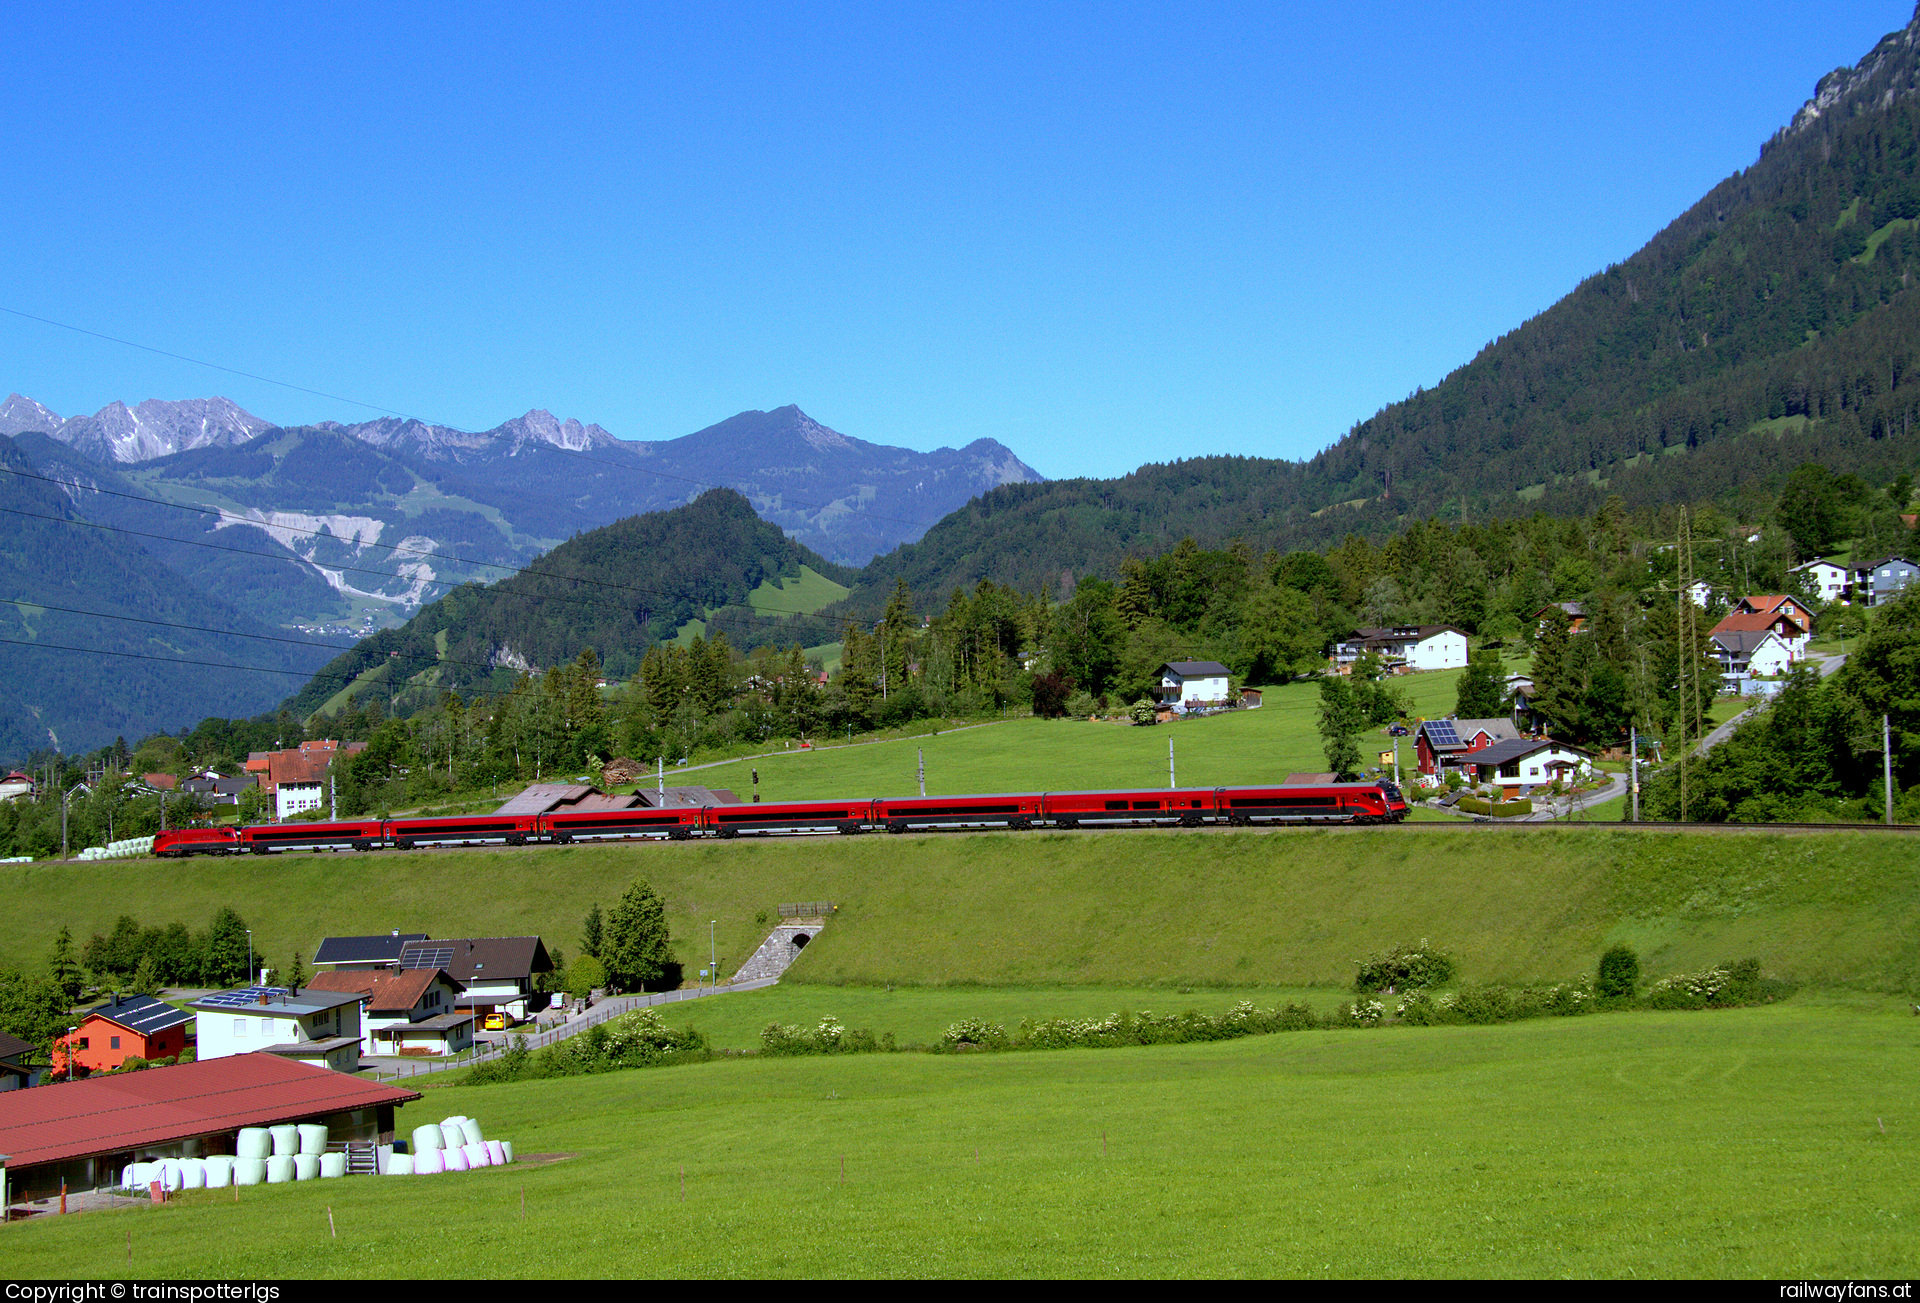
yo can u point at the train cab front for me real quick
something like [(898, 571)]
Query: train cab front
[(1396, 802)]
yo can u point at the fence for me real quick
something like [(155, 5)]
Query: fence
[(611, 1007), (807, 909)]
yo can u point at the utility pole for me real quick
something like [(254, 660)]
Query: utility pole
[(63, 837), (922, 753), (881, 629), (1396, 760), (1886, 760), (1171, 784), (1633, 768)]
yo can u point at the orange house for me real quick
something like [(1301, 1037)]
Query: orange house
[(126, 1026)]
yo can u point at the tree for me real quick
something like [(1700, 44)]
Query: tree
[(297, 975), (592, 932), (1810, 510), (65, 968), (1341, 723), (1050, 693), (1089, 635), (32, 1008), (1279, 635), (636, 946), (1482, 690), (224, 962)]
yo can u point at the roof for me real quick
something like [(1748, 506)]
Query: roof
[(1758, 621), (1772, 601), (545, 798), (1742, 642), (362, 980), (687, 796), (1571, 608), (440, 1022), (305, 1049), (1453, 734), (1516, 748), (164, 782), (1197, 669), (280, 1002), (141, 1014), (11, 1045), (471, 959), (119, 1111), (365, 950), (1885, 560)]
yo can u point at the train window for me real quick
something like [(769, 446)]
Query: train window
[(1146, 805), (1195, 803), (1116, 805)]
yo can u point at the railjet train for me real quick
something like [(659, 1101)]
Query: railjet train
[(1357, 803)]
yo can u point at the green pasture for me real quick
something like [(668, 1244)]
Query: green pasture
[(804, 593), (1287, 907), (1026, 754), (1776, 1142)]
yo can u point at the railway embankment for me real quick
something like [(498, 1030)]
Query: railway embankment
[(1293, 906)]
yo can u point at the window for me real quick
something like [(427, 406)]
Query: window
[(83, 1042), (266, 1026), (113, 1042), (239, 1026)]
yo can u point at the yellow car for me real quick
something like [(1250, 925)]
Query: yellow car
[(496, 1022)]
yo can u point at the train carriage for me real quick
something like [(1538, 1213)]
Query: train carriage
[(1308, 803), (1175, 808), (1006, 810), (177, 843), (676, 823), (464, 830), (357, 835), (790, 817)]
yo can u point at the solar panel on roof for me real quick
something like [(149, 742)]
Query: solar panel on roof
[(1443, 733), (246, 995), (427, 957)]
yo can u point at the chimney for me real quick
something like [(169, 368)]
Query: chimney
[(263, 997), (396, 932)]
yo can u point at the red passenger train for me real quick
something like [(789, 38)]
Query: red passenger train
[(1196, 807)]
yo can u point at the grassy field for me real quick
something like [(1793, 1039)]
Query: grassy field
[(805, 593), (1027, 754), (1156, 907), (1775, 1142)]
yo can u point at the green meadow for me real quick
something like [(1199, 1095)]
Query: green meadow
[(1773, 1142)]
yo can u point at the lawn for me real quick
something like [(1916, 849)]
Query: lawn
[(1775, 1143), (1291, 907)]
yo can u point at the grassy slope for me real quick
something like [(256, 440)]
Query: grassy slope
[(1744, 1143), (1030, 754), (806, 593), (1206, 908)]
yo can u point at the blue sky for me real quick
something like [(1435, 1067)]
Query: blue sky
[(1102, 235)]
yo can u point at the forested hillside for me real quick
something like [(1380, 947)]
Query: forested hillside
[(1771, 324), (618, 590), (163, 673)]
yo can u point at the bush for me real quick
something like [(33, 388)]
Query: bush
[(1405, 967), (974, 1034), (1080, 705), (1499, 810), (1619, 973), (638, 1039), (829, 1037), (1481, 1005)]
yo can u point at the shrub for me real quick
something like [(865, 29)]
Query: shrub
[(1688, 990), (633, 1040), (829, 1037), (1408, 967), (974, 1034), (1619, 973)]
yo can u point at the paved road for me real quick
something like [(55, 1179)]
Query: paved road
[(1827, 665)]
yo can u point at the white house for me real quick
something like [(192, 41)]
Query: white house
[(319, 1027), (1752, 652), (411, 1010), (1409, 646), (1831, 582), (1701, 592), (1524, 763), (1189, 685)]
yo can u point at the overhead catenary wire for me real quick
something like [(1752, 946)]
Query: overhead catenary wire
[(264, 525), (388, 411)]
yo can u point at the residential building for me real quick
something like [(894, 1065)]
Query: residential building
[(1778, 603), (14, 1072), (82, 1135), (1442, 744), (1576, 613), (1521, 764), (1407, 646), (408, 1011), (496, 973), (126, 1027), (16, 784), (1783, 626), (364, 954), (217, 789), (1884, 579), (1832, 582), (301, 770), (319, 1027), (1191, 685), (1751, 652)]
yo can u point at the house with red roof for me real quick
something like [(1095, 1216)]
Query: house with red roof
[(1784, 603), (1791, 632), (409, 1011), (126, 1027)]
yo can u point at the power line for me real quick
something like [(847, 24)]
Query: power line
[(717, 617), (263, 527), (375, 407)]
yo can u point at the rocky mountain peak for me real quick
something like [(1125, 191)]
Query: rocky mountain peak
[(1889, 72), (118, 433), (20, 414)]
